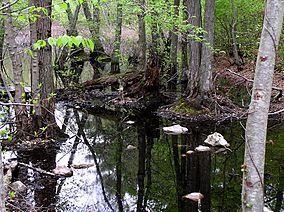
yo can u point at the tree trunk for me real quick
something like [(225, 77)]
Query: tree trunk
[(20, 111), (194, 11), (142, 36), (117, 41), (2, 186), (172, 74), (256, 127), (207, 54), (46, 78), (34, 69), (237, 59), (94, 28)]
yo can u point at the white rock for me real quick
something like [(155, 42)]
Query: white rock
[(266, 209), (216, 139), (131, 147), (201, 148), (189, 152), (18, 186), (175, 130), (195, 196)]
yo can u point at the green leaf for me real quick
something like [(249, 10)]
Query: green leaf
[(10, 138), (65, 6), (52, 41), (3, 132)]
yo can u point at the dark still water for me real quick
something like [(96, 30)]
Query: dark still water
[(120, 165)]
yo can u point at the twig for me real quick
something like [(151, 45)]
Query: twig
[(15, 103), (249, 80), (276, 112), (41, 171), (8, 5)]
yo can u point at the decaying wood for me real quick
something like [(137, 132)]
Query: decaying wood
[(122, 79)]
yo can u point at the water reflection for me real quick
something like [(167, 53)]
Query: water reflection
[(124, 166)]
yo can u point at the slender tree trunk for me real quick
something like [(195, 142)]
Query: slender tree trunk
[(237, 58), (207, 54), (184, 55), (172, 74), (142, 36), (117, 41), (34, 69), (256, 127), (2, 186), (20, 111), (94, 28), (194, 10)]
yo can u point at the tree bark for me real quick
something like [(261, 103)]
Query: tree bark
[(172, 74), (46, 78), (117, 41), (20, 110), (256, 127), (207, 54), (237, 59), (2, 186), (94, 28), (142, 36), (194, 11)]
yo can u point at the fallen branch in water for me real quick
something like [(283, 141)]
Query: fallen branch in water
[(41, 171)]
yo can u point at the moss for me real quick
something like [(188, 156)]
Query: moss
[(183, 107)]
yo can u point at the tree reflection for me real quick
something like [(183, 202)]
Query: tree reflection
[(192, 171)]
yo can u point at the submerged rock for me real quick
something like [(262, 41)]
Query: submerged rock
[(216, 139), (63, 171), (18, 186), (175, 130)]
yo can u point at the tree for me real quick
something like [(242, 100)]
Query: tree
[(194, 11), (207, 53), (44, 118), (173, 52), (117, 40), (2, 186), (142, 35), (256, 126)]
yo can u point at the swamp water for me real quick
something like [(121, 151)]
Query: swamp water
[(120, 165)]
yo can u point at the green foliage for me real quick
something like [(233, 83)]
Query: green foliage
[(248, 25)]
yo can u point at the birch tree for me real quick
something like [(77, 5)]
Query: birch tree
[(2, 189), (256, 126)]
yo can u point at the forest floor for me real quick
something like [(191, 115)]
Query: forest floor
[(229, 101)]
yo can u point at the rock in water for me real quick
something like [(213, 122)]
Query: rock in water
[(175, 130), (216, 139), (195, 196), (201, 148), (18, 186), (63, 171)]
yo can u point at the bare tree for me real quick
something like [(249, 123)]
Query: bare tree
[(256, 127)]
